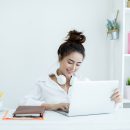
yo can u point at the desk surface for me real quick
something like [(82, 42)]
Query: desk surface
[(119, 120)]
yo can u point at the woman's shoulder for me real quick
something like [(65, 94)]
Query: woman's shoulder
[(44, 81)]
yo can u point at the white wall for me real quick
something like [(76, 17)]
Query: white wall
[(118, 44), (32, 30)]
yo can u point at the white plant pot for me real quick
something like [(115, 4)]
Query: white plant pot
[(127, 92), (115, 35)]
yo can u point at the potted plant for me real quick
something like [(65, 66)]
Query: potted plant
[(1, 102), (113, 28), (127, 89)]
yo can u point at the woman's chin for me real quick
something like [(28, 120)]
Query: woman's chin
[(69, 76)]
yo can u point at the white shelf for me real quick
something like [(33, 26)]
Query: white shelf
[(127, 55), (126, 103), (127, 10), (126, 100), (125, 19)]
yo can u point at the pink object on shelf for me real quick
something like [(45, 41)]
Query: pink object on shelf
[(128, 42)]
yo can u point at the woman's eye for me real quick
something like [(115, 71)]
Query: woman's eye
[(78, 64), (70, 63)]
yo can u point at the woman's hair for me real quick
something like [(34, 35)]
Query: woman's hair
[(73, 43)]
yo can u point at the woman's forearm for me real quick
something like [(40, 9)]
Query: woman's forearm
[(59, 106), (48, 106)]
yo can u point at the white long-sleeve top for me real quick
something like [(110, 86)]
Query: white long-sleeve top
[(46, 91)]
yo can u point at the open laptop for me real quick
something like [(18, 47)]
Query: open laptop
[(91, 97)]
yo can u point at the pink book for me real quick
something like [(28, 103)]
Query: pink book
[(128, 42)]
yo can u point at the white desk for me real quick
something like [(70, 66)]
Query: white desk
[(120, 120)]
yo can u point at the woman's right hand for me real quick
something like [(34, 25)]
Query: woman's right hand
[(59, 106)]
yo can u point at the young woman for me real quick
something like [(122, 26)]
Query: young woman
[(53, 93)]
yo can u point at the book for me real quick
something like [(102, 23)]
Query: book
[(8, 115), (29, 111)]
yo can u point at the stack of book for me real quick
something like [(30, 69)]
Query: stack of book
[(25, 113), (29, 111)]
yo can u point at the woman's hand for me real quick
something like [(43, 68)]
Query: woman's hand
[(59, 106), (62, 106), (116, 96)]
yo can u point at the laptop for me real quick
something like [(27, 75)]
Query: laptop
[(91, 97)]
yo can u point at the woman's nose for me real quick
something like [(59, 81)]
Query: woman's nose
[(74, 67)]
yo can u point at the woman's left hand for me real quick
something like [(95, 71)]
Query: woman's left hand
[(116, 96)]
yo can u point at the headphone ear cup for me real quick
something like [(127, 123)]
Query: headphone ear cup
[(61, 79)]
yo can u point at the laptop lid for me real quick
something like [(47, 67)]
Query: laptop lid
[(92, 97)]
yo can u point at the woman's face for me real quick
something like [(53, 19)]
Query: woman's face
[(70, 64)]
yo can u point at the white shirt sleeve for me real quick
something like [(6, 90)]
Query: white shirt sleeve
[(34, 97)]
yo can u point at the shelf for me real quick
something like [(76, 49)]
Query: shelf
[(127, 55), (126, 103), (126, 100), (127, 10)]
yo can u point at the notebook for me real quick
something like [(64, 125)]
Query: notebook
[(29, 111), (91, 97)]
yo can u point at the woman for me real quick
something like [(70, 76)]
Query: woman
[(53, 93)]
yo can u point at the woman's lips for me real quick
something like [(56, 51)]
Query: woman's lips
[(70, 72)]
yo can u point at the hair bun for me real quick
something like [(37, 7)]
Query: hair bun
[(75, 36)]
